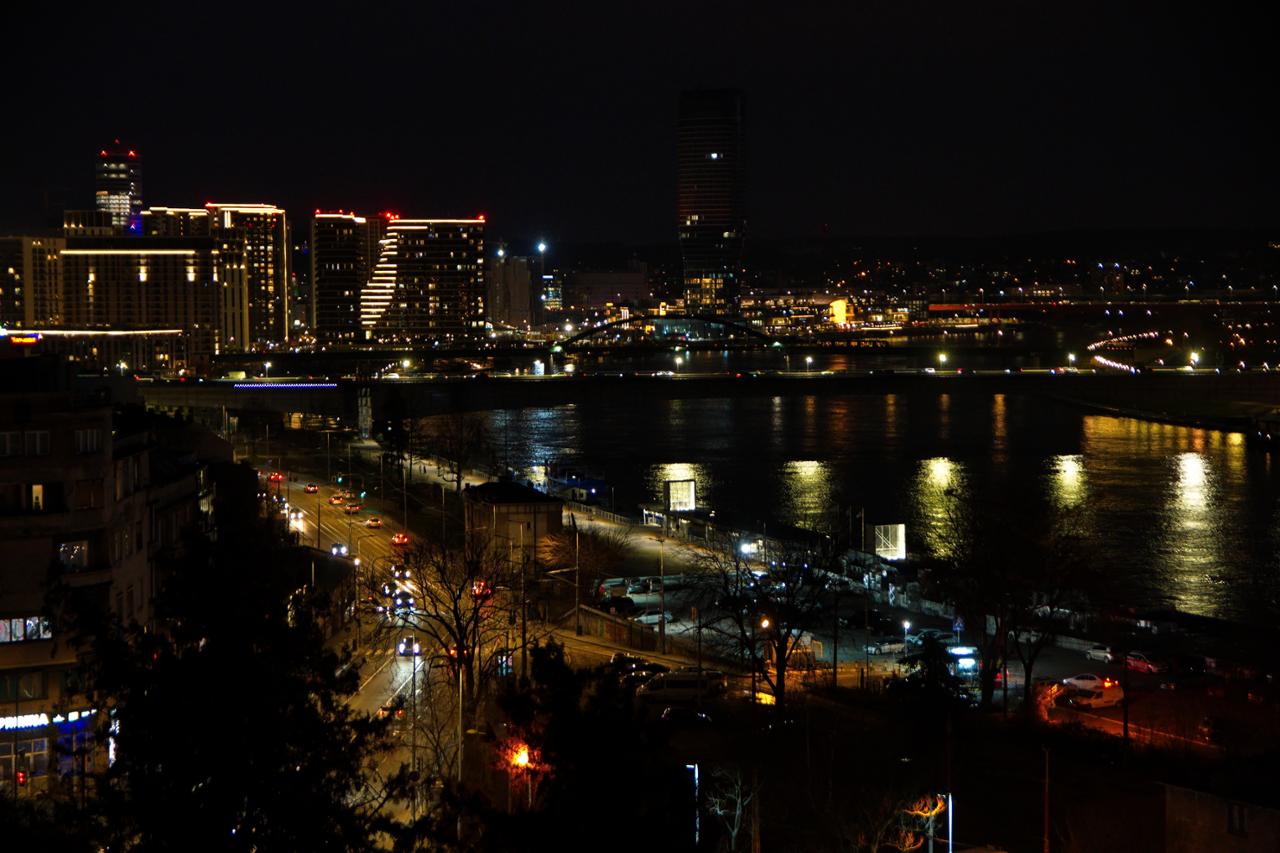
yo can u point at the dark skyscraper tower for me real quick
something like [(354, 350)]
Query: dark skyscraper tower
[(709, 198), (118, 186)]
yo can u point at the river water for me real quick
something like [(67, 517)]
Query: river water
[(1190, 518)]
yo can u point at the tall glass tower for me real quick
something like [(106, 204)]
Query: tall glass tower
[(118, 186), (709, 198)]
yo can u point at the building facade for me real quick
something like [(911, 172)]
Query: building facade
[(84, 508), (30, 281), (260, 233), (709, 198), (427, 286), (118, 186), (344, 249), (509, 289), (146, 284)]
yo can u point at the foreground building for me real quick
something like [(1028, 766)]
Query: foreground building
[(90, 503)]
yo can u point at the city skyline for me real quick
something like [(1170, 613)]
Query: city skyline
[(873, 123)]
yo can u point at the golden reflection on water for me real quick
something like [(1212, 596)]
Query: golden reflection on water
[(806, 492), (939, 487), (999, 425), (1198, 526), (1068, 485)]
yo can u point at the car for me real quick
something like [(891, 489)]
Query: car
[(352, 509), (944, 638), (311, 488), (400, 571), (395, 708), (677, 715), (1084, 681), (276, 477), (337, 500), (400, 540), (888, 645), (674, 687), (337, 549), (652, 616), (408, 646), (623, 661), (373, 522), (1107, 694), (402, 600), (1142, 662), (1100, 652)]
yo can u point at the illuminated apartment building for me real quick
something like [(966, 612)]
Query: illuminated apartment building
[(30, 281), (427, 286), (263, 237), (344, 249)]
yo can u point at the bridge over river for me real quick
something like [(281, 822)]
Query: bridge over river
[(1226, 400)]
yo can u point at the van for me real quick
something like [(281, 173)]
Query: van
[(681, 686), (1107, 694)]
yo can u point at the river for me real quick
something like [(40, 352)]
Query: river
[(1190, 518)]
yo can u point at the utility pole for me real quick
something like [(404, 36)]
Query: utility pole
[(835, 638), (319, 506), (1046, 800), (577, 580), (524, 612), (662, 598)]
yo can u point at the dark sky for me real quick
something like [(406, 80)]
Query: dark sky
[(558, 120)]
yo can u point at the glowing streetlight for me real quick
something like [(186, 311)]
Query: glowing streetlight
[(405, 363), (679, 361), (906, 630), (266, 366), (808, 362), (542, 247), (520, 758), (502, 253), (942, 358), (764, 623), (1194, 358)]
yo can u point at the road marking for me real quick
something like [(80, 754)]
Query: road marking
[(389, 659)]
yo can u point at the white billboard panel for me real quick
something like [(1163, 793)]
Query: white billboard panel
[(681, 495), (891, 541)]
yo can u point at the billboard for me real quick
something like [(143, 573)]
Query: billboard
[(891, 541), (681, 495)]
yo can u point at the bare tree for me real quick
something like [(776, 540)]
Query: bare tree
[(768, 608), (460, 440), (730, 796), (594, 550)]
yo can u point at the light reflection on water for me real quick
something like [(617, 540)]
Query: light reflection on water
[(1192, 515)]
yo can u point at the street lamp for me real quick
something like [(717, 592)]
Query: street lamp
[(906, 629), (1194, 358), (808, 363), (542, 247), (679, 361), (1071, 358), (942, 358), (266, 366)]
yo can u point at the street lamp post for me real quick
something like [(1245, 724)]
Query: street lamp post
[(808, 363), (906, 630), (662, 597)]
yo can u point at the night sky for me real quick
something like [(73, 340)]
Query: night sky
[(887, 118)]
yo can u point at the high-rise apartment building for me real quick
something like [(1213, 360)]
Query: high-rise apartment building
[(118, 186), (263, 237), (145, 284), (709, 203), (427, 286), (30, 281), (344, 250), (509, 288)]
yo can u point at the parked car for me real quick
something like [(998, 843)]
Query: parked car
[(311, 488), (676, 687), (1107, 694), (1142, 662), (890, 645), (945, 638), (1084, 681), (1100, 652), (652, 616), (373, 522)]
